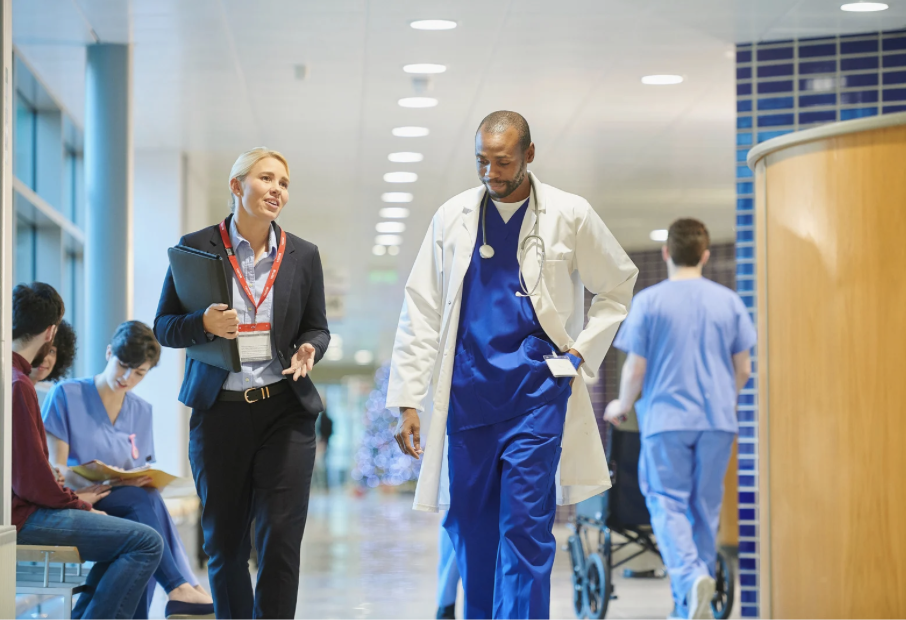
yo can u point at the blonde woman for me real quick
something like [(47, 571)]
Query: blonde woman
[(252, 433)]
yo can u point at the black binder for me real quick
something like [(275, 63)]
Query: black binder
[(200, 282)]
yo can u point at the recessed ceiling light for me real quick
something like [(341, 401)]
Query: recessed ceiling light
[(394, 213), (662, 80), (333, 354), (396, 197), (390, 227), (418, 102), (424, 67), (364, 357), (379, 250), (388, 240), (405, 157), (400, 177), (393, 250), (864, 7), (410, 132), (433, 24), (658, 235)]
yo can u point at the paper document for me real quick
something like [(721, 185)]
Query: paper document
[(96, 471)]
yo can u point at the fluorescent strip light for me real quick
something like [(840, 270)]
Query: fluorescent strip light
[(388, 240), (400, 177), (418, 102), (658, 235), (410, 132), (396, 197), (390, 227), (864, 7), (424, 68), (433, 24), (394, 213), (662, 80), (405, 157)]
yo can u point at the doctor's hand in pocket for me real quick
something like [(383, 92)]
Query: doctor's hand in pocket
[(407, 426), (302, 363)]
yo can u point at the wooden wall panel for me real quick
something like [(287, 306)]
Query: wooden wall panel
[(835, 403)]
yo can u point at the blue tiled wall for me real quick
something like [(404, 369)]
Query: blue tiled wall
[(781, 87)]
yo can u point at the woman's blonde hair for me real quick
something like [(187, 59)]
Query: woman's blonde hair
[(244, 164)]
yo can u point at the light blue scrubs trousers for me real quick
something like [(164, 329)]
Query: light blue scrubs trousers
[(447, 571), (503, 500), (681, 475)]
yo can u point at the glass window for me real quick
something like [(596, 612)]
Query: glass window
[(26, 251), (25, 142)]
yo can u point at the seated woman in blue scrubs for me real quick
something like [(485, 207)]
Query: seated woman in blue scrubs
[(98, 418)]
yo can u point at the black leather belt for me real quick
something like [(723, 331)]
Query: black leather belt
[(254, 395)]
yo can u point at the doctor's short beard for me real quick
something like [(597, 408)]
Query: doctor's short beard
[(511, 186)]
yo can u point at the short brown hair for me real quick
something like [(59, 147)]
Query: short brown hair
[(687, 241), (134, 343)]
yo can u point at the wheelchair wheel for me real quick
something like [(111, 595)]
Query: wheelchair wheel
[(725, 588), (597, 586), (577, 558)]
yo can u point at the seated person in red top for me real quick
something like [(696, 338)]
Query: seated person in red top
[(125, 553)]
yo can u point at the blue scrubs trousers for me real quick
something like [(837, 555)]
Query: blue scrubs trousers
[(681, 475), (502, 508), (447, 571)]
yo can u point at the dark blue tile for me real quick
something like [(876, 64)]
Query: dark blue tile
[(859, 64), (743, 56), (747, 546), (776, 103), (775, 53), (742, 155), (895, 94), (746, 269), (747, 481), (748, 596), (898, 43), (744, 122), (748, 432), (747, 252), (746, 497), (743, 220), (859, 96), (747, 530), (744, 106), (744, 235), (808, 101), (745, 286), (821, 116), (767, 71), (894, 77), (747, 448), (744, 139), (891, 109), (746, 514), (743, 89), (748, 580), (813, 51), (764, 136), (747, 564), (746, 399), (747, 611), (848, 115), (859, 47), (766, 88), (859, 80), (746, 465), (895, 60), (745, 188), (744, 73), (743, 172), (818, 66), (750, 384), (823, 84), (776, 120)]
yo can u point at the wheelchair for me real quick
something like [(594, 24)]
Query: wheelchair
[(622, 510)]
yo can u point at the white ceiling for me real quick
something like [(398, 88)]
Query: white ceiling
[(216, 77)]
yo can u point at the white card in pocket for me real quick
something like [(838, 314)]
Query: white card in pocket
[(560, 366)]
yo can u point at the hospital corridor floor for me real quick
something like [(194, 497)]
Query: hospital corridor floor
[(374, 557)]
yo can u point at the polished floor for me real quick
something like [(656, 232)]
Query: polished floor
[(374, 557)]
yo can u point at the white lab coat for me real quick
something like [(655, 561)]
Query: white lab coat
[(581, 253)]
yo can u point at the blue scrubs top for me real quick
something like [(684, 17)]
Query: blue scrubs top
[(688, 331), (499, 371), (73, 412)]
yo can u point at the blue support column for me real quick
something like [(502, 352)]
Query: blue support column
[(108, 182)]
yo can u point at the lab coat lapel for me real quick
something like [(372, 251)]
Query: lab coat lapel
[(466, 234), (544, 306)]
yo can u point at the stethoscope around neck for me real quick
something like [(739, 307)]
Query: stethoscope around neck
[(532, 240)]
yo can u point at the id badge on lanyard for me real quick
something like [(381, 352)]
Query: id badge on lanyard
[(254, 339)]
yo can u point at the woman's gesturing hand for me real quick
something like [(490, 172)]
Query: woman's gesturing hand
[(302, 363), (221, 321)]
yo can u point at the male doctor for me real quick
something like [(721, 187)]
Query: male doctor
[(493, 317)]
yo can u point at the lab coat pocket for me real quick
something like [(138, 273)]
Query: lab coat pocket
[(559, 283)]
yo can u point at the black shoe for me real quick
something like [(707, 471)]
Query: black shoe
[(447, 612), (178, 609)]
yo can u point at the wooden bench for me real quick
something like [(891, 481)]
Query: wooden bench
[(33, 573)]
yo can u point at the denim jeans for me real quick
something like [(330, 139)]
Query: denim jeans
[(125, 553)]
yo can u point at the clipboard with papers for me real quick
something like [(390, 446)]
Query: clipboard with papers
[(96, 471), (200, 281)]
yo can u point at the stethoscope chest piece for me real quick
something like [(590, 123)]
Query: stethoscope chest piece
[(486, 251)]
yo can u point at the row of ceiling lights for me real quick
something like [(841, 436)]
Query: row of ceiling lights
[(390, 229)]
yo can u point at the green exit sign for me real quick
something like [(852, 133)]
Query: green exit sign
[(385, 276)]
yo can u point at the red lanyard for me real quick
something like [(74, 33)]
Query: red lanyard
[(235, 263)]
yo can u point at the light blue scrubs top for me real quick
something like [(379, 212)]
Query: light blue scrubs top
[(73, 412), (688, 331)]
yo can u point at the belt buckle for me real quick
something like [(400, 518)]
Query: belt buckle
[(265, 394)]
